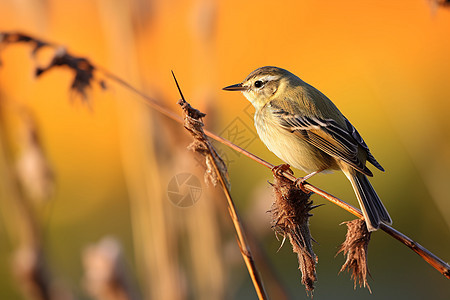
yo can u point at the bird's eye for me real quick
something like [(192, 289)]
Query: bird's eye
[(258, 83)]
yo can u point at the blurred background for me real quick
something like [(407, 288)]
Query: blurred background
[(91, 192)]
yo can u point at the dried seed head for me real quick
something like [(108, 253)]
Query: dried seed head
[(201, 144), (82, 67), (290, 215), (355, 248)]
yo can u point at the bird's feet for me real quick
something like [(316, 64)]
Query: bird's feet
[(299, 183), (278, 170)]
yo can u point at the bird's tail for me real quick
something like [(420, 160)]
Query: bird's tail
[(373, 209)]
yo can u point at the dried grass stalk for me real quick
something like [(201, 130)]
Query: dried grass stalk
[(355, 248), (290, 218)]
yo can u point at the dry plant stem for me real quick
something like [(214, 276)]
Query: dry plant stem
[(200, 137), (429, 257), (149, 101), (242, 240)]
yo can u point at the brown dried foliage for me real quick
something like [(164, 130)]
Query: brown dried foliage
[(355, 248), (15, 37), (290, 218), (82, 67)]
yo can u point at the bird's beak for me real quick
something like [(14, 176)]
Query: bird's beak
[(235, 87)]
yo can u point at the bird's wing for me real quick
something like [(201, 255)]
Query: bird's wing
[(355, 134), (327, 135)]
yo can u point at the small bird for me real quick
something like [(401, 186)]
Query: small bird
[(306, 130)]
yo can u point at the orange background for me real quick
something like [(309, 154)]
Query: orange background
[(385, 65)]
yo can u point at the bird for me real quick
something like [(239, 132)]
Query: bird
[(306, 130)]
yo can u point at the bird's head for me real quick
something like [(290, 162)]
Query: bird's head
[(263, 84)]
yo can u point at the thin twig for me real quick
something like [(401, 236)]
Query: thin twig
[(242, 240), (429, 257)]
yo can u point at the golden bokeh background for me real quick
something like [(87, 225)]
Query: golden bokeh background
[(386, 66)]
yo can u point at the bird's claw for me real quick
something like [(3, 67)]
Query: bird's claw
[(299, 182), (278, 170)]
